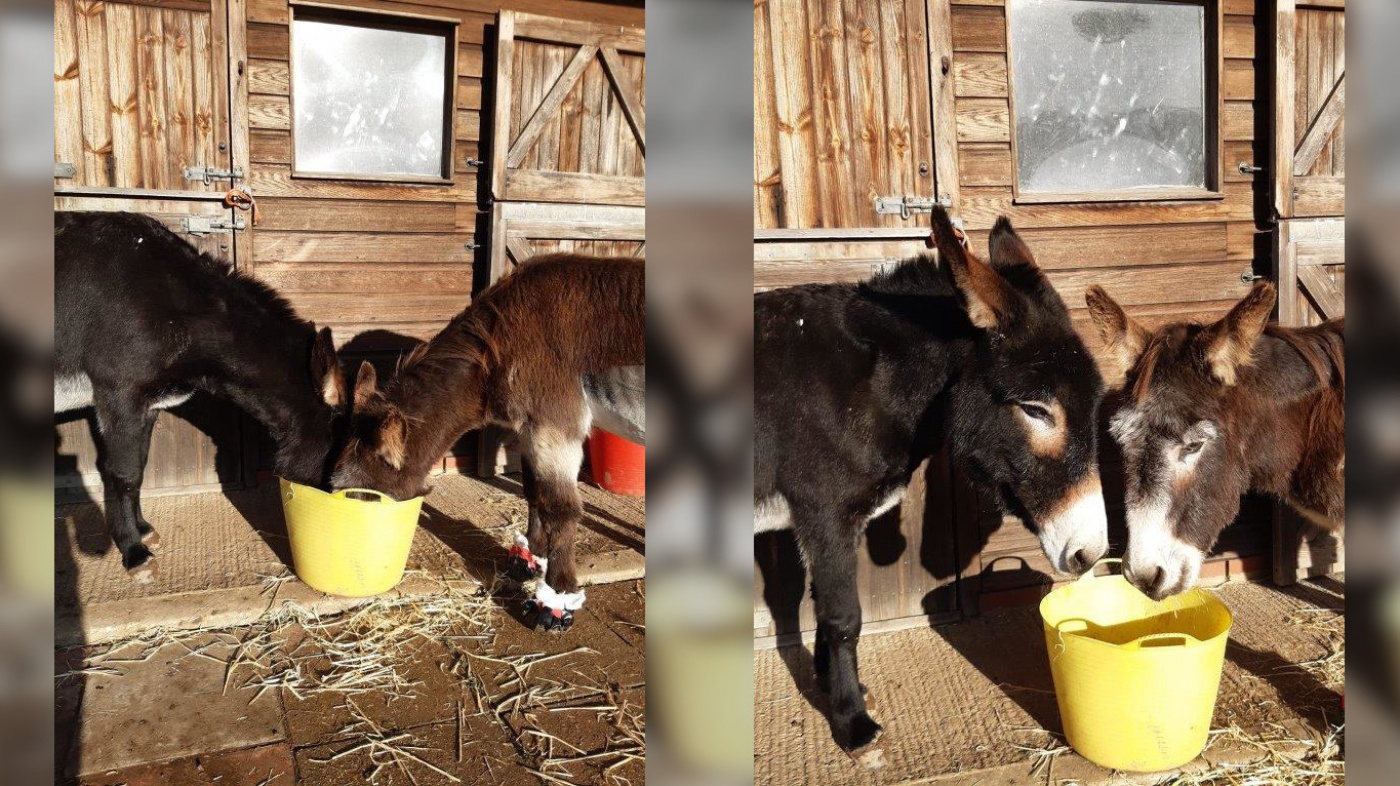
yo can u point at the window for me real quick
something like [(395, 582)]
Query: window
[(372, 95), (1113, 98)]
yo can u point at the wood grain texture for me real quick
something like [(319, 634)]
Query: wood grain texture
[(983, 120), (980, 75)]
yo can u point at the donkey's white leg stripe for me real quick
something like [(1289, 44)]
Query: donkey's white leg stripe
[(568, 601), (522, 541)]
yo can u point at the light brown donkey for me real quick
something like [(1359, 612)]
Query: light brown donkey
[(544, 352)]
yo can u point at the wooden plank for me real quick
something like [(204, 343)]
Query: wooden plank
[(150, 75), (427, 249), (538, 186), (374, 308), (767, 173), (270, 147), (1238, 37), (1238, 123), (469, 92), (340, 215), (1235, 154), (793, 117), (981, 206), (67, 90), (122, 92), (834, 195), (1237, 83), (1330, 301), (945, 122), (505, 100), (1239, 241), (90, 26), (979, 75), (978, 29), (301, 278), (268, 42), (467, 125), (269, 77), (985, 164), (518, 249), (1320, 133), (269, 113), (179, 93), (864, 80), (983, 120), (277, 181), (470, 61), (206, 85), (581, 33), (627, 94), (1319, 196), (1284, 99)]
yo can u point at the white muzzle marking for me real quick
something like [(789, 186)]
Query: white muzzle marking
[(1152, 545), (1081, 524)]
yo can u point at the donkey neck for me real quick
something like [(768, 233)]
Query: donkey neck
[(442, 399)]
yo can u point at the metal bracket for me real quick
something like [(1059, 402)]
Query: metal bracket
[(1249, 276), (1245, 169), (208, 225), (471, 246), (63, 169), (474, 162), (907, 205), (208, 174)]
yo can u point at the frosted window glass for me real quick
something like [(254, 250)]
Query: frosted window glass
[(368, 101), (1109, 95)]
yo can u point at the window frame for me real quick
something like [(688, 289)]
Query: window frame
[(1214, 101), (381, 20)]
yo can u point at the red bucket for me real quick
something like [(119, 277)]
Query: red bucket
[(620, 466)]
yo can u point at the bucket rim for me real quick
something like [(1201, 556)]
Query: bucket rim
[(386, 503), (1191, 641)]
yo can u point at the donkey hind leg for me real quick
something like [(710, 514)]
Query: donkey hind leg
[(125, 427), (526, 560), (556, 456), (833, 568)]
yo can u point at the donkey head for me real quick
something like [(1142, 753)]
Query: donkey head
[(1025, 417), (376, 451), (1186, 389), (316, 413)]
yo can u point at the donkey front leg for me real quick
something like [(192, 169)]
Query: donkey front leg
[(832, 563), (526, 554), (125, 427), (555, 509)]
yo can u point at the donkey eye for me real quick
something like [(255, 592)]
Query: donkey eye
[(1037, 411)]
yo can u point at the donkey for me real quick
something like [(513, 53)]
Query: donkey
[(545, 352), (856, 384), (1211, 412), (143, 321)]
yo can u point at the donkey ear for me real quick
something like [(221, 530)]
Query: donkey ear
[(365, 384), (325, 368), (393, 438), (1123, 338), (988, 298), (1006, 249), (1230, 342)]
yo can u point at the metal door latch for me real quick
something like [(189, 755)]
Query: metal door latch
[(908, 205), (208, 225), (208, 174), (1249, 276), (1245, 169), (474, 162)]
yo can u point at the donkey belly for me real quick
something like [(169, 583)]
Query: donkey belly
[(617, 399), (74, 391)]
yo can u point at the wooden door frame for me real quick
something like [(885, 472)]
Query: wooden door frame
[(1285, 78)]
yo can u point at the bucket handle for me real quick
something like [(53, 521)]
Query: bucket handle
[(381, 495), (1090, 574), (1161, 639)]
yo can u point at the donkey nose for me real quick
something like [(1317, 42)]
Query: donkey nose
[(1149, 580), (1079, 562)]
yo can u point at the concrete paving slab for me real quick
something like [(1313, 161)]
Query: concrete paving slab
[(219, 548), (268, 765), (962, 703), (168, 706)]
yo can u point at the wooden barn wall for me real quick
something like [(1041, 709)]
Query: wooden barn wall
[(1163, 261), (384, 263)]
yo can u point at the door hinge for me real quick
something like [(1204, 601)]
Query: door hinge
[(208, 174), (208, 225), (908, 205), (63, 169)]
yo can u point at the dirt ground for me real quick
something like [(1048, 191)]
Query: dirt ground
[(447, 684), (973, 702)]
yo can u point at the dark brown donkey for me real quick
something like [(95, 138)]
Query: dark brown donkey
[(545, 352), (1211, 412)]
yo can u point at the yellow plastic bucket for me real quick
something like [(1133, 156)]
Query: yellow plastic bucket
[(346, 546), (1136, 679)]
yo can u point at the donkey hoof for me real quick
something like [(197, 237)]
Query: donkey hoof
[(550, 620), (151, 539), (521, 570), (143, 574), (140, 564), (861, 741)]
